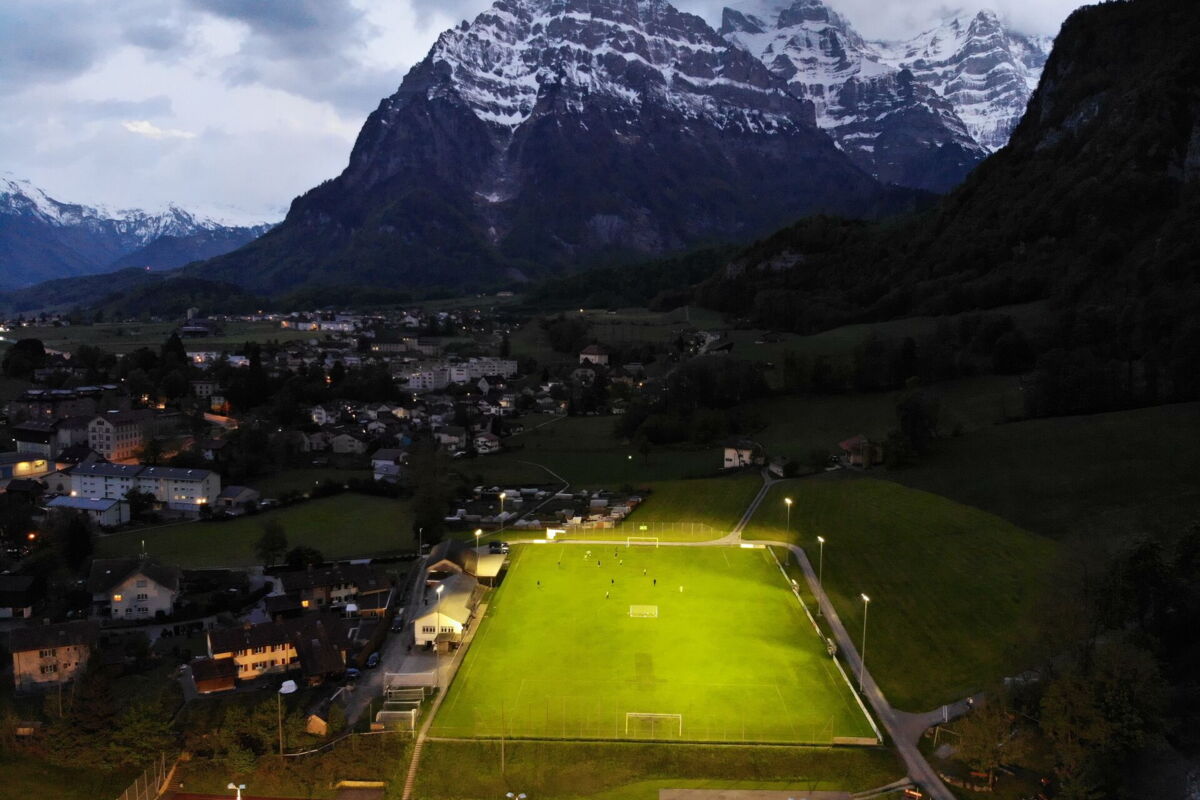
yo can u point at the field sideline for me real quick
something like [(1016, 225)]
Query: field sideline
[(730, 652)]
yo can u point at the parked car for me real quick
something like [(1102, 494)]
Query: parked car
[(373, 660), (397, 624), (496, 548), (352, 674)]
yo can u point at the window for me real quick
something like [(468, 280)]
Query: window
[(118, 598), (259, 650), (428, 629), (143, 596), (49, 669), (128, 610), (447, 629), (47, 653), (141, 584)]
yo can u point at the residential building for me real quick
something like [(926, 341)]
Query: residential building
[(176, 488), (742, 453), (338, 585), (106, 512), (450, 557), (45, 655), (132, 589), (348, 442), (443, 622), (314, 645), (120, 435), (23, 465), (35, 438), (18, 593), (387, 463), (238, 500), (594, 354)]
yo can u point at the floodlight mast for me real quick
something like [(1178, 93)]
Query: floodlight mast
[(820, 573), (238, 788), (862, 657)]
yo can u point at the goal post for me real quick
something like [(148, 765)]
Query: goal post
[(653, 726), (651, 541)]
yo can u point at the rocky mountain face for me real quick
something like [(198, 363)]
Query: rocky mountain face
[(1091, 206), (921, 113), (549, 134), (44, 239), (985, 70)]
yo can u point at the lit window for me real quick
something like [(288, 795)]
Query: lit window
[(117, 598)]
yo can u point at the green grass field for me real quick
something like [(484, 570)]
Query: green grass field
[(950, 585), (126, 337), (344, 526), (733, 652), (560, 770)]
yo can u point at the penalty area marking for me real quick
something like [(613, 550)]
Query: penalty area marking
[(644, 612)]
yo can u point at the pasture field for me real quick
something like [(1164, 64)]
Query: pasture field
[(950, 586), (125, 337), (343, 526), (585, 641)]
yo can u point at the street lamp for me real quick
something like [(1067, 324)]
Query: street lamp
[(437, 656), (478, 533), (788, 502), (238, 788), (287, 688), (503, 495), (862, 657), (820, 570)]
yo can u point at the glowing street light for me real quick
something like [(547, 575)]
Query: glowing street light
[(820, 571), (436, 653), (238, 788), (862, 656), (478, 533), (788, 502)]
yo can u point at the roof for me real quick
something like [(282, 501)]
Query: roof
[(593, 350), (387, 454), (854, 442), (176, 473), (234, 492), (213, 669), (16, 590), (106, 470), (107, 573), (24, 485), (457, 599), (42, 637), (363, 576), (84, 503), (73, 423), (75, 453), (125, 417), (454, 551), (19, 458)]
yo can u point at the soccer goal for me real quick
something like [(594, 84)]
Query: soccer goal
[(653, 726), (645, 612), (652, 541)]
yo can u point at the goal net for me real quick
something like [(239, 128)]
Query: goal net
[(653, 726), (652, 541), (643, 611)]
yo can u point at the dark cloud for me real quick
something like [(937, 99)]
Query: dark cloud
[(43, 43)]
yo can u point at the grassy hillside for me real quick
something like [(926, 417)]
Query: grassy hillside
[(950, 585)]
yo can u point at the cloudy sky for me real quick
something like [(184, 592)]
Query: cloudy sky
[(233, 107)]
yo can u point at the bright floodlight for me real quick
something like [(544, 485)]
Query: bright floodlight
[(520, 796), (503, 495), (821, 539), (288, 687), (439, 588), (787, 500), (866, 599)]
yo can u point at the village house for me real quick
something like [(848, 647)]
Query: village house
[(45, 655), (238, 500), (120, 435), (450, 557), (176, 488), (594, 354), (348, 442), (447, 613), (18, 593), (132, 589), (105, 512), (340, 585), (22, 465), (313, 645), (742, 453), (859, 451), (386, 464)]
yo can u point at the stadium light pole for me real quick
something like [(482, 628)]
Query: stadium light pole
[(862, 657), (503, 495), (478, 533), (787, 501), (237, 787), (437, 656), (512, 796), (820, 571)]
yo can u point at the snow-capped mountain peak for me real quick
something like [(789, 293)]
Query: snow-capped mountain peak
[(985, 69), (43, 238), (628, 52)]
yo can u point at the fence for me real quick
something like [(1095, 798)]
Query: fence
[(152, 782)]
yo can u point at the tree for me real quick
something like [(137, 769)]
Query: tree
[(301, 557), (70, 534), (986, 736), (273, 543), (917, 414), (139, 503), (142, 733), (23, 358)]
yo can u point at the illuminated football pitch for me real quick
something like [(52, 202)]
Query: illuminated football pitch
[(664, 643)]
